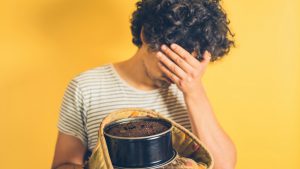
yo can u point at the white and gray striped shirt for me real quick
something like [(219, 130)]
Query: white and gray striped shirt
[(93, 94)]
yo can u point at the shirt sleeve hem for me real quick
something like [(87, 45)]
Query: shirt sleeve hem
[(74, 135)]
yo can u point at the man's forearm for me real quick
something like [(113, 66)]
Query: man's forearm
[(69, 166), (207, 129)]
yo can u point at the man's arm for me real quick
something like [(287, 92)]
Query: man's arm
[(186, 72), (69, 153), (69, 166), (206, 127)]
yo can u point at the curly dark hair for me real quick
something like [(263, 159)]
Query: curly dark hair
[(196, 25)]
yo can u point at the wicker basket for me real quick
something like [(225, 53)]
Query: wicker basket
[(184, 142)]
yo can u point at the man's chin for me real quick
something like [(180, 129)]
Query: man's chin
[(163, 84)]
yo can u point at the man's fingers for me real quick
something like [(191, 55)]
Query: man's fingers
[(175, 69), (177, 59), (170, 75), (207, 58), (191, 60)]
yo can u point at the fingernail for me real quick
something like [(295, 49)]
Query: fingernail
[(173, 45), (163, 47), (158, 54), (207, 53)]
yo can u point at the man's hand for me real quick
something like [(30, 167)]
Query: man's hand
[(182, 67)]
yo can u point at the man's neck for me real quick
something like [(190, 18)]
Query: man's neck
[(133, 72)]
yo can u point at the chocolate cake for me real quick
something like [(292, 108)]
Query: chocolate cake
[(137, 129)]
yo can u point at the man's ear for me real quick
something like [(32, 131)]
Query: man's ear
[(142, 35)]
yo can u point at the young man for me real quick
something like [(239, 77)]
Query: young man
[(176, 40)]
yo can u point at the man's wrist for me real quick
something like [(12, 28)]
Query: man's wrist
[(195, 94)]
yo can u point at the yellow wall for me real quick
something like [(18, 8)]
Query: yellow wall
[(255, 91)]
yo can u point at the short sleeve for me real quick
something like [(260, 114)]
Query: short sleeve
[(72, 119)]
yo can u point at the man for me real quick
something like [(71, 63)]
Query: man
[(176, 40)]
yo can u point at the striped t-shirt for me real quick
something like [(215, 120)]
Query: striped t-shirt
[(95, 93)]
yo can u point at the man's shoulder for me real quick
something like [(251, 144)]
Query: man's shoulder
[(94, 75)]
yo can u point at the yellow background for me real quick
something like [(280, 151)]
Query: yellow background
[(255, 90)]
